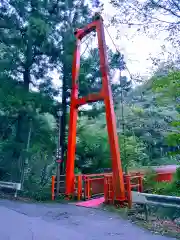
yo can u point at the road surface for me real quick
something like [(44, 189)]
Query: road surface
[(24, 221)]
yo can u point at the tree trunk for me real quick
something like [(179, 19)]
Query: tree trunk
[(26, 79), (63, 120), (21, 134), (20, 145)]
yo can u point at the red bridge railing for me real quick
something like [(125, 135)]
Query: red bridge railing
[(131, 183), (91, 185)]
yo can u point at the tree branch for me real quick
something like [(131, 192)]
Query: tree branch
[(176, 4), (165, 8)]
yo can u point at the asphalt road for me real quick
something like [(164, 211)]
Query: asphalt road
[(22, 221)]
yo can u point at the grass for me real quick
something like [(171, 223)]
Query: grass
[(23, 198), (156, 223)]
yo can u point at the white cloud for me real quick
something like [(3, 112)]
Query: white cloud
[(136, 48)]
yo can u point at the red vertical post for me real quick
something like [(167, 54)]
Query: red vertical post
[(128, 189), (105, 188), (106, 95), (88, 188), (118, 180), (52, 188), (79, 187), (111, 190), (140, 183), (72, 123)]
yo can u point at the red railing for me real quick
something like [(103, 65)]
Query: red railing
[(53, 188), (108, 189), (164, 176), (131, 183), (160, 175), (78, 187), (85, 186), (93, 185)]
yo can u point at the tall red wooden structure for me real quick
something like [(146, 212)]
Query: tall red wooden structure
[(105, 95)]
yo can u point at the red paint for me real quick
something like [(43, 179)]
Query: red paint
[(106, 95), (53, 188), (58, 161), (164, 177), (163, 173), (92, 203)]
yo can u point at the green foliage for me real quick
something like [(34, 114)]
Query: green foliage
[(154, 123), (93, 150), (92, 146), (177, 176), (41, 128), (163, 188), (149, 181), (169, 89), (37, 37), (133, 153)]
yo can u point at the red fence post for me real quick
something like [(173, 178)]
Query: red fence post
[(128, 189), (52, 188), (112, 190), (79, 187), (140, 183), (105, 189), (88, 188)]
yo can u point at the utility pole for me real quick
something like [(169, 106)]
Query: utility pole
[(25, 161), (121, 68), (59, 154)]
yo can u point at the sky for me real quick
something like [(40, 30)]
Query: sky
[(137, 49)]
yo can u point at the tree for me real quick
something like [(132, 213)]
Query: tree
[(169, 89), (163, 15), (90, 76), (28, 51), (152, 17), (41, 40), (150, 121), (93, 150), (74, 14), (41, 135)]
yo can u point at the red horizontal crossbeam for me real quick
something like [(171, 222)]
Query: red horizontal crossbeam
[(80, 33), (94, 97)]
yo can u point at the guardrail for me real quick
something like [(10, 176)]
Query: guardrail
[(147, 199), (162, 200), (11, 185)]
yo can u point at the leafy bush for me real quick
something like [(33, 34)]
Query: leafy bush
[(149, 181), (39, 194), (163, 188)]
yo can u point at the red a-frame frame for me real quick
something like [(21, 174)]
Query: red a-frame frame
[(105, 95)]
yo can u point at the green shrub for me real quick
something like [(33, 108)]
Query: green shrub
[(169, 188), (177, 175), (162, 188), (39, 194), (149, 181)]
